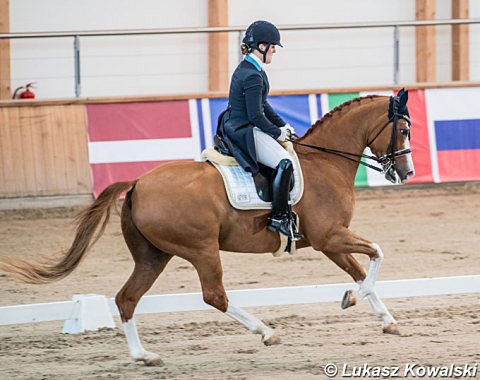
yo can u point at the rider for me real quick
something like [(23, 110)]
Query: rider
[(250, 127)]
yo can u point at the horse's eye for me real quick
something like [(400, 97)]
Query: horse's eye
[(404, 132)]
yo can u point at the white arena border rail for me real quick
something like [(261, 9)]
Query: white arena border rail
[(91, 312)]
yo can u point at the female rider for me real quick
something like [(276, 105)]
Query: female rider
[(250, 127)]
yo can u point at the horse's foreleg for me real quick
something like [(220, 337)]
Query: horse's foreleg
[(389, 325), (376, 259), (365, 280), (351, 265), (210, 273), (345, 241)]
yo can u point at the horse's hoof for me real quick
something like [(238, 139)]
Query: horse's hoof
[(349, 299), (392, 328), (157, 362), (151, 359), (272, 340)]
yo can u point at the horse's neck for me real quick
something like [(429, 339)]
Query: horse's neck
[(346, 130)]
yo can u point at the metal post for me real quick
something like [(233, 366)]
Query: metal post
[(240, 38), (396, 54), (76, 59)]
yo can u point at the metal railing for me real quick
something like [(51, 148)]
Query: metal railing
[(239, 29)]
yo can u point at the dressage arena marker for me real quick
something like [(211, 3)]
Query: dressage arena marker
[(91, 312)]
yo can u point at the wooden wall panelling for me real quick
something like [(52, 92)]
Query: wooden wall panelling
[(460, 42), (218, 46), (425, 42), (78, 169), (7, 183), (44, 151), (5, 90), (28, 158)]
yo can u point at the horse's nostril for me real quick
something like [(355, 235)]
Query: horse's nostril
[(410, 174)]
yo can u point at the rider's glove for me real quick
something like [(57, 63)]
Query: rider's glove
[(285, 132)]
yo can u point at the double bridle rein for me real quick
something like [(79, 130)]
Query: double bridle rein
[(387, 160)]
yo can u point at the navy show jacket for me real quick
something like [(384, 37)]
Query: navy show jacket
[(247, 108)]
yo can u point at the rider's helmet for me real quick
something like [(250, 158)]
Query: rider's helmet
[(261, 32)]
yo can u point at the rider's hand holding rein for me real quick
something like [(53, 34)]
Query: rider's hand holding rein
[(286, 132)]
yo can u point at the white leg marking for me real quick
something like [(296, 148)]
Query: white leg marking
[(380, 309), (366, 287), (251, 322), (135, 346)]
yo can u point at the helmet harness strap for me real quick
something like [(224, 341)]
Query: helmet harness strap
[(264, 52)]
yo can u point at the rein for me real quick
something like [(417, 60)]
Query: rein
[(387, 160), (344, 154)]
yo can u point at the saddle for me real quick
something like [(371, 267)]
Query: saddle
[(244, 191)]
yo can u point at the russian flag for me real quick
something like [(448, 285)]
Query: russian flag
[(128, 139), (454, 132)]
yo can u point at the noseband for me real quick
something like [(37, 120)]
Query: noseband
[(387, 160)]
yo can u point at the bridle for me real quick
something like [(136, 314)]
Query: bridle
[(387, 161)]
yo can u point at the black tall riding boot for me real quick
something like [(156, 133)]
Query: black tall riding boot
[(281, 219)]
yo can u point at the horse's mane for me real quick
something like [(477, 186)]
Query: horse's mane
[(336, 110)]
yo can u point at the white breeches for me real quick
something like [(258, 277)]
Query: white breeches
[(269, 151)]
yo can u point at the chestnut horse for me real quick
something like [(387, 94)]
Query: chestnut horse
[(181, 209)]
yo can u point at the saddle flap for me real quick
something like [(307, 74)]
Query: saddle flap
[(241, 187)]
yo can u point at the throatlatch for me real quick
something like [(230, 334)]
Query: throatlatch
[(282, 219)]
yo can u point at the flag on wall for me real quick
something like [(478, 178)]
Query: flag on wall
[(419, 142), (454, 127), (301, 111), (129, 139)]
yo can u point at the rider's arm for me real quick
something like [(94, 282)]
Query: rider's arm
[(272, 115), (255, 111)]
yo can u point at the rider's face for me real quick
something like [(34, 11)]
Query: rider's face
[(271, 51)]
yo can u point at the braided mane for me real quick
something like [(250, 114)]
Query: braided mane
[(335, 111)]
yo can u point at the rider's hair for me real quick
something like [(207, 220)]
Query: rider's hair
[(245, 49)]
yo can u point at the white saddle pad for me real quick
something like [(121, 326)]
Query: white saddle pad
[(240, 186)]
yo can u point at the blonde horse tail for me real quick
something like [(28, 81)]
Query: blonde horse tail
[(93, 218)]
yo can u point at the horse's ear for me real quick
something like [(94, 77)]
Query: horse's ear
[(403, 95)]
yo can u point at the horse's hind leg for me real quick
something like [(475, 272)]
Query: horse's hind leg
[(210, 272), (350, 265), (149, 263)]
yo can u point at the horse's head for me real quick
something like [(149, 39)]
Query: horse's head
[(391, 141)]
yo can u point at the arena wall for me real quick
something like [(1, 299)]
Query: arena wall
[(153, 65), (45, 150)]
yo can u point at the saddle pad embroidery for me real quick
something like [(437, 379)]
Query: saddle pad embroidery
[(241, 188)]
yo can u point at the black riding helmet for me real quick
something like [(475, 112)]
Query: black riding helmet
[(262, 32)]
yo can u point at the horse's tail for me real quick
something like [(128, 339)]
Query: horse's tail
[(88, 221)]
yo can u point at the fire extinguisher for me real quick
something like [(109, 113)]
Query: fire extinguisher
[(26, 94)]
